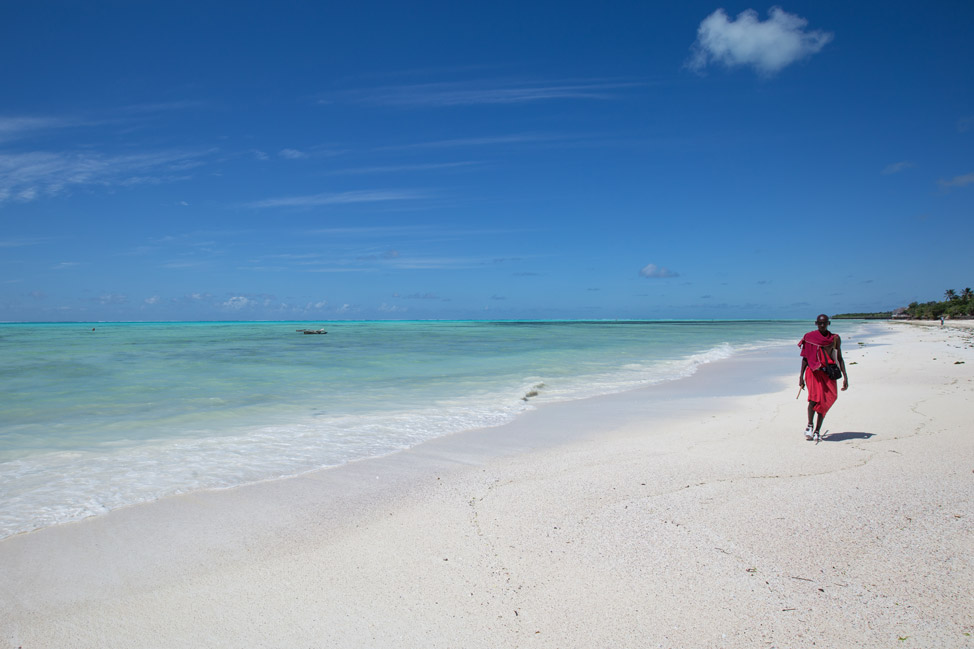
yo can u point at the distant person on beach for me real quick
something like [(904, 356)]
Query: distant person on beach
[(820, 348)]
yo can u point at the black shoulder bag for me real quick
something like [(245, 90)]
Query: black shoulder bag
[(831, 369)]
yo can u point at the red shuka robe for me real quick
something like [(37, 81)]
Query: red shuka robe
[(821, 389)]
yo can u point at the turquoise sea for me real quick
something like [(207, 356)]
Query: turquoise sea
[(97, 416)]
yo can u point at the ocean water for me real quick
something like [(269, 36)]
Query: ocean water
[(99, 416)]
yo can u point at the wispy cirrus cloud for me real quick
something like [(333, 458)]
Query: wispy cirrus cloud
[(767, 46), (486, 92), (490, 140), (432, 262), (416, 232), (21, 127), (429, 166), (418, 296), (22, 242), (27, 176), (371, 231), (957, 181), (292, 154), (370, 263), (13, 128), (897, 167), (160, 107), (337, 198), (388, 254), (338, 269)]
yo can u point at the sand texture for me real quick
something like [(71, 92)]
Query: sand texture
[(688, 515)]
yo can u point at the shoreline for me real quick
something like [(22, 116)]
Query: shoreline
[(590, 523), (479, 445), (227, 425), (63, 485)]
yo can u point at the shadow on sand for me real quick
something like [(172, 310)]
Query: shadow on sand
[(841, 437)]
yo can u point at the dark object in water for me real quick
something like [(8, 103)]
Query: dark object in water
[(311, 331)]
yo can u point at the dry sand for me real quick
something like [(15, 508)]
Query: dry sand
[(688, 515)]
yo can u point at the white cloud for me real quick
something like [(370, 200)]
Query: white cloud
[(526, 138), (177, 264), (19, 243), (112, 298), (401, 168), (371, 231), (423, 263), (768, 46), (343, 269), (236, 303), (488, 92), (897, 167), (657, 272), (342, 198), (26, 176), (164, 106), (958, 181), (12, 128), (292, 154)]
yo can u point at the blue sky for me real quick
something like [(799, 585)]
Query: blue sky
[(319, 161)]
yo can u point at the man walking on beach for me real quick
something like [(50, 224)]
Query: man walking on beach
[(821, 357)]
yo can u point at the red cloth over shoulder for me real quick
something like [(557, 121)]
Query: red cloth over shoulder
[(811, 343)]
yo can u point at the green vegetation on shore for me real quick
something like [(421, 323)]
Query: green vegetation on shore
[(954, 305), (879, 315)]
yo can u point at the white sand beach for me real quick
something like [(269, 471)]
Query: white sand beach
[(949, 324), (690, 514)]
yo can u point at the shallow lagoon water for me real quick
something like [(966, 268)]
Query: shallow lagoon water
[(99, 416)]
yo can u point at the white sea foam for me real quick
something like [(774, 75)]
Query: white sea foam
[(59, 487)]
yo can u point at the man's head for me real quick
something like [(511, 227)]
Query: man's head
[(822, 322)]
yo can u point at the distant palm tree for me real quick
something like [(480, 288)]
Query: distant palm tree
[(967, 294), (950, 294)]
